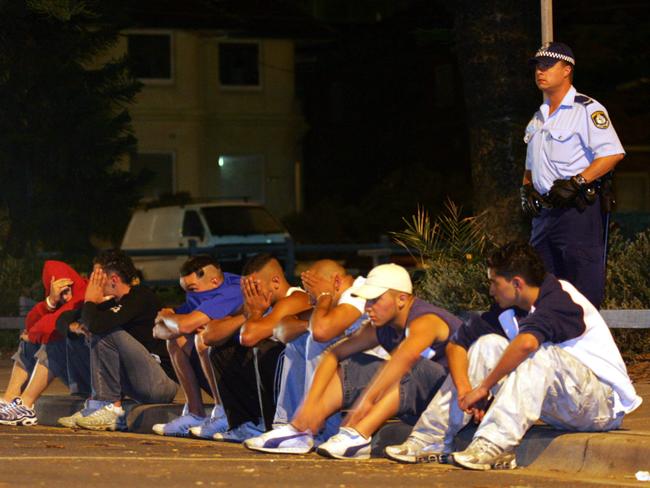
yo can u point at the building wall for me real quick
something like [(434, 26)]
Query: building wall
[(198, 120)]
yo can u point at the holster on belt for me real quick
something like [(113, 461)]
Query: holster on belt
[(606, 190)]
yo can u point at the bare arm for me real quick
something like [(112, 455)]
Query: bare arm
[(218, 331), (328, 322), (601, 166), (422, 333), (290, 328), (183, 323), (258, 328), (458, 367), (528, 177)]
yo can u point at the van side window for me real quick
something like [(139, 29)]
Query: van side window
[(192, 225)]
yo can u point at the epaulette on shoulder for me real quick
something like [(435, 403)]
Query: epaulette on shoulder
[(583, 100)]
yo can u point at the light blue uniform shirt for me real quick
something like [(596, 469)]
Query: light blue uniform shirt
[(564, 144)]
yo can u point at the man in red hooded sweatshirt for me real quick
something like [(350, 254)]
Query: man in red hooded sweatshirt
[(43, 353)]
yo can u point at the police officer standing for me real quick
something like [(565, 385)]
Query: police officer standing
[(572, 149)]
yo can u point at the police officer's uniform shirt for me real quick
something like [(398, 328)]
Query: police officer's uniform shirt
[(565, 143)]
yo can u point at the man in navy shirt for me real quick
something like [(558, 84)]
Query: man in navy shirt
[(211, 295), (544, 353)]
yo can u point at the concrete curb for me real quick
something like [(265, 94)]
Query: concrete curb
[(542, 449), (139, 418)]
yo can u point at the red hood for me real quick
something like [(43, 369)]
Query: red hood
[(58, 269)]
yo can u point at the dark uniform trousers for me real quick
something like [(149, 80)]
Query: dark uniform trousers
[(571, 243)]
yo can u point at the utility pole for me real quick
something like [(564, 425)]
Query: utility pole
[(547, 22)]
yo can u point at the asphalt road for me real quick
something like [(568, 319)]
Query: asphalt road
[(47, 456)]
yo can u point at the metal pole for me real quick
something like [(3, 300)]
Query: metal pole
[(547, 21)]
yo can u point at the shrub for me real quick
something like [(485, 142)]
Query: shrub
[(628, 272), (452, 249)]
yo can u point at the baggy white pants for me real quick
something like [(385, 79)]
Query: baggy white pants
[(550, 385)]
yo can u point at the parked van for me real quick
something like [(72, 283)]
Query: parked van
[(208, 224)]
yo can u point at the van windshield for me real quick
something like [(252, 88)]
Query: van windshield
[(241, 221)]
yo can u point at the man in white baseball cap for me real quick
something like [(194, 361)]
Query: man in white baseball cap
[(413, 331)]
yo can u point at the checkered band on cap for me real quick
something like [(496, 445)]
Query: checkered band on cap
[(544, 53)]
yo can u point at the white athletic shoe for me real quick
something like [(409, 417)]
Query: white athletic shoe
[(15, 413), (209, 427), (483, 454), (347, 444), (285, 439), (240, 433), (414, 450), (179, 427), (106, 418)]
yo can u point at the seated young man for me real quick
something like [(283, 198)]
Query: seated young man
[(246, 349), (275, 310), (211, 294), (544, 353), (44, 354), (125, 358), (412, 330), (336, 314)]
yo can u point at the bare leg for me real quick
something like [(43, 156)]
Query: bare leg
[(39, 381), (208, 370), (179, 352), (17, 380), (385, 408), (317, 408)]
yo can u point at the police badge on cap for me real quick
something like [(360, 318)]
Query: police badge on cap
[(547, 56)]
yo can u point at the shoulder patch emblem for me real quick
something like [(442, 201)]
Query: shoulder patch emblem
[(600, 119), (583, 100)]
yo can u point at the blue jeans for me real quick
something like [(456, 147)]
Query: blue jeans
[(122, 366), (68, 360)]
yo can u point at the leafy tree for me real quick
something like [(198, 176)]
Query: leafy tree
[(63, 124)]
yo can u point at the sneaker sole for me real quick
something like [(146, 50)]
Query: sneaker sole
[(25, 422), (279, 450), (111, 428), (69, 425), (204, 437), (506, 463), (422, 459), (326, 453)]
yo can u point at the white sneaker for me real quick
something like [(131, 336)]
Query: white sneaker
[(89, 407), (179, 427), (106, 418), (347, 444), (483, 454), (240, 433), (285, 439), (209, 427), (414, 450)]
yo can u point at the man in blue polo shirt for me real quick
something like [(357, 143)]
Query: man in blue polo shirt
[(211, 295)]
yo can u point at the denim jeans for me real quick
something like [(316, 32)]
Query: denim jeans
[(122, 366), (69, 360)]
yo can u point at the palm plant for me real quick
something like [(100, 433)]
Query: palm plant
[(451, 234), (452, 250)]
